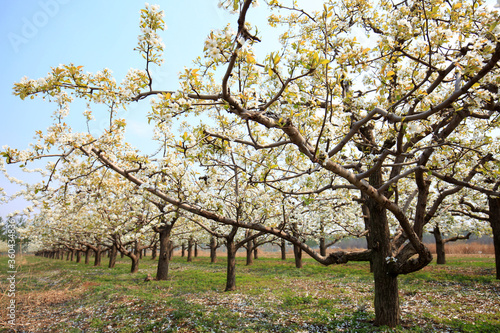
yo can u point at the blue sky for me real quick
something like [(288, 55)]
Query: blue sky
[(38, 35)]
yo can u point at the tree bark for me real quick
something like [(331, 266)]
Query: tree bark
[(87, 255), (494, 216), (386, 284), (249, 249), (196, 249), (322, 246), (78, 256), (135, 262), (213, 250), (154, 251), (170, 250), (297, 251), (97, 259), (366, 219), (255, 250), (283, 249), (113, 253), (231, 264), (164, 257), (183, 250), (139, 251), (440, 252)]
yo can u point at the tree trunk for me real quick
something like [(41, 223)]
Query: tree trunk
[(154, 251), (97, 259), (231, 264), (183, 250), (72, 254), (255, 250), (139, 252), (494, 213), (386, 285), (441, 255), (87, 255), (213, 250), (196, 249), (249, 249), (366, 220), (297, 251), (190, 250), (113, 253), (170, 250), (135, 262), (78, 256), (322, 246), (283, 249), (164, 257)]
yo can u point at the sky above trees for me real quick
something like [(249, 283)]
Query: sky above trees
[(38, 35)]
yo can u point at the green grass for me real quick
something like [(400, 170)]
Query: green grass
[(272, 296)]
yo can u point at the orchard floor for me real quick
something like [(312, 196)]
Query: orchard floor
[(272, 296)]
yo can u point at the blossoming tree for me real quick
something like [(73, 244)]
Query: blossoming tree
[(370, 93)]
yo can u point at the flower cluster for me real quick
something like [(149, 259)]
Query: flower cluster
[(135, 81), (150, 43), (219, 43)]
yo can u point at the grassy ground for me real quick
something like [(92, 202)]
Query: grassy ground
[(272, 296)]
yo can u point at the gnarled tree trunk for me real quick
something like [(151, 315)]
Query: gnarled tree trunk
[(386, 284)]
